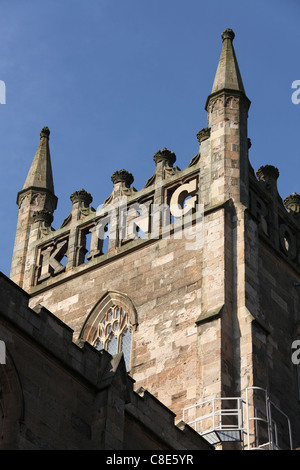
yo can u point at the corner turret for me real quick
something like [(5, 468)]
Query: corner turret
[(36, 195), (224, 143)]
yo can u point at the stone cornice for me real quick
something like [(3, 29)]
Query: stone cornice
[(227, 91)]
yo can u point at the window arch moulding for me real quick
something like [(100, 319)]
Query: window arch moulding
[(110, 325)]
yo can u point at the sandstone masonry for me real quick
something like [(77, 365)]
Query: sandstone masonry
[(194, 278)]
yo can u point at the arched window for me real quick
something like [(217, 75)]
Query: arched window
[(110, 325)]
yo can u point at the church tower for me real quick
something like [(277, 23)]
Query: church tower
[(198, 283)]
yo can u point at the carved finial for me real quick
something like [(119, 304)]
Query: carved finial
[(165, 155), (45, 132), (122, 176), (43, 216), (203, 134), (267, 173), (228, 34), (81, 196), (292, 203)]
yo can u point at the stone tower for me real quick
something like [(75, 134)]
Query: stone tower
[(194, 278)]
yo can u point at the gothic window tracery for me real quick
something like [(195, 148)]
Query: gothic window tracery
[(111, 324), (114, 333)]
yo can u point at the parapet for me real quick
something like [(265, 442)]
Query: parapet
[(126, 220), (89, 236)]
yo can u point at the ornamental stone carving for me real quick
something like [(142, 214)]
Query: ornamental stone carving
[(267, 173), (81, 196), (228, 34), (122, 176), (45, 132), (232, 102), (292, 203), (165, 155), (217, 103), (43, 216), (204, 134)]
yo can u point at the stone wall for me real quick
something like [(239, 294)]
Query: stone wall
[(55, 395)]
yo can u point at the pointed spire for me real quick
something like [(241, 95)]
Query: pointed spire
[(40, 173), (228, 73)]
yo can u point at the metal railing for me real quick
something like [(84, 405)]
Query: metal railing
[(256, 424), (217, 419), (268, 420)]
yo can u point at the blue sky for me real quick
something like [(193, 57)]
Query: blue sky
[(116, 80)]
